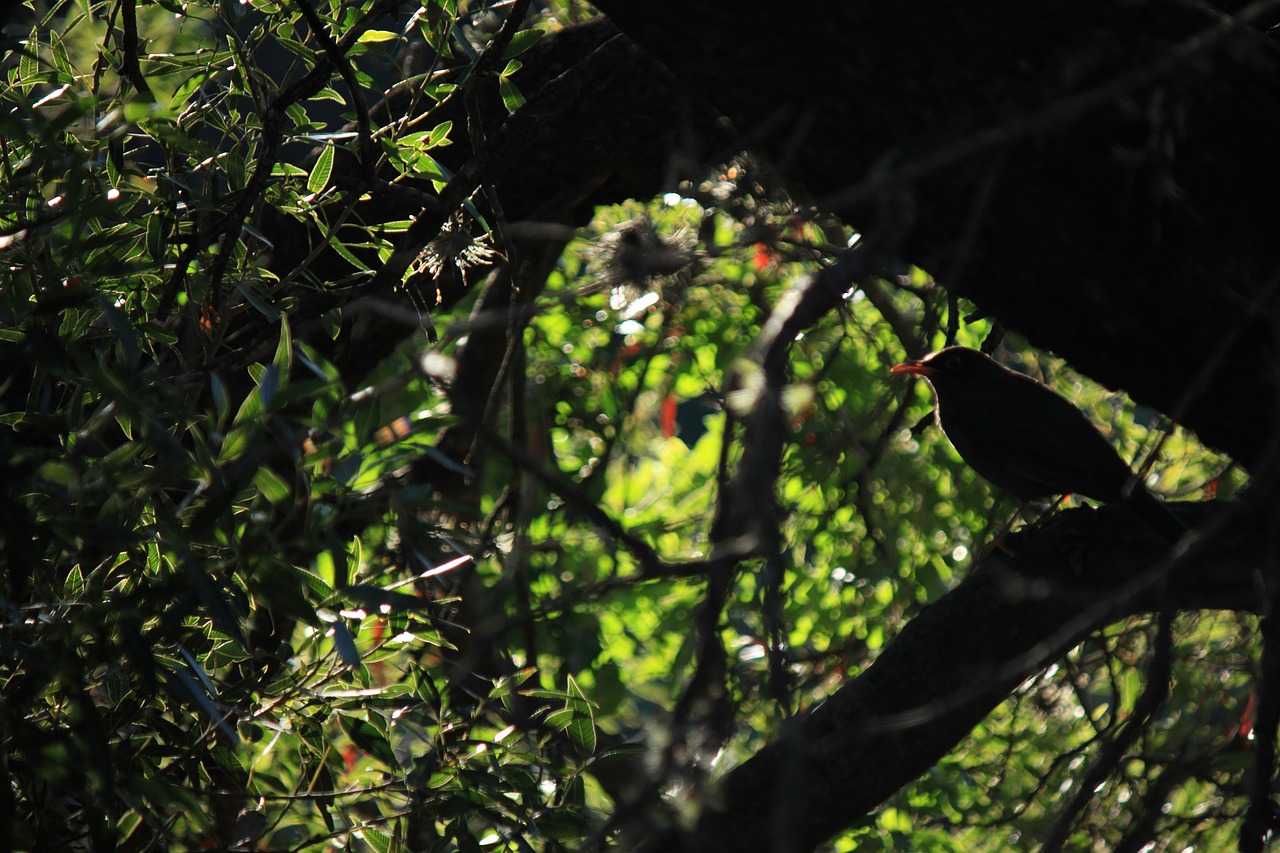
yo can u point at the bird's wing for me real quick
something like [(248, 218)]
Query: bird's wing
[(1072, 456)]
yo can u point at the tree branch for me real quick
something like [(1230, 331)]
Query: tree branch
[(1121, 198), (959, 659), (1113, 751)]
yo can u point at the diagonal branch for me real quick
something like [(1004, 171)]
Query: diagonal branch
[(959, 659)]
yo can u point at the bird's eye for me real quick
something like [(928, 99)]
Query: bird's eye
[(953, 363)]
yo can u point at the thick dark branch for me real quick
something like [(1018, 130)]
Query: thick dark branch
[(1260, 821), (746, 522), (1119, 157), (958, 660), (130, 68)]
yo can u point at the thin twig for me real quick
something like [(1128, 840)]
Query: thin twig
[(1114, 750)]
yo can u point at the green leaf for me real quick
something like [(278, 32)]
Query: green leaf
[(316, 581), (376, 36), (582, 728), (319, 177), (582, 731), (562, 826), (284, 349), (271, 485), (237, 440), (268, 386), (365, 736), (379, 841), (317, 363), (260, 398), (505, 685), (60, 58), (28, 64), (512, 99), (328, 94), (215, 602), (520, 42), (561, 719), (895, 820), (221, 399), (439, 134), (350, 258), (120, 324), (256, 301), (203, 700), (157, 247)]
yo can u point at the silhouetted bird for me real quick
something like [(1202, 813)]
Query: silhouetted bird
[(1025, 439)]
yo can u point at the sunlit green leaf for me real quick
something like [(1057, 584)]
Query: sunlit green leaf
[(376, 36), (272, 485), (512, 98), (283, 360), (520, 42), (319, 177)]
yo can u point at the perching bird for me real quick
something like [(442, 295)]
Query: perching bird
[(1025, 439)]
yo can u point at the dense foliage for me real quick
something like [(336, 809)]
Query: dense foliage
[(256, 599)]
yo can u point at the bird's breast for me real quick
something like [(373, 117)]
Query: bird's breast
[(991, 444)]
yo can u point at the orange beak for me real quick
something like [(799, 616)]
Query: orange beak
[(917, 368)]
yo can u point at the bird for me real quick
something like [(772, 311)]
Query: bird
[(1027, 440)]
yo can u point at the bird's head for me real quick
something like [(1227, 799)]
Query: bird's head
[(951, 365), (963, 377)]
